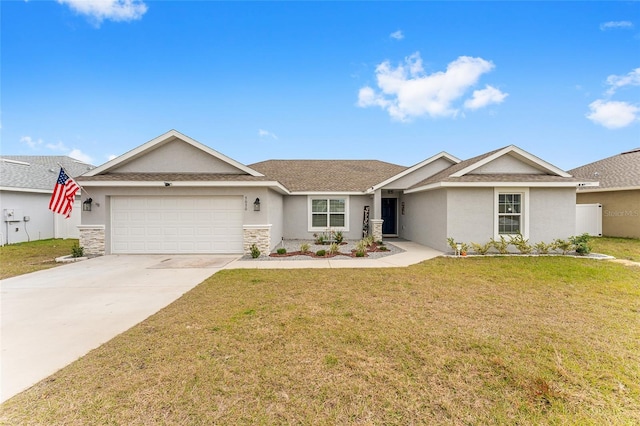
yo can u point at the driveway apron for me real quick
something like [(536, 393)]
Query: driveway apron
[(51, 318)]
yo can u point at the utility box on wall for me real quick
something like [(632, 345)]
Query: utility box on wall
[(589, 219)]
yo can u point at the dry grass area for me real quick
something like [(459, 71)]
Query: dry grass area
[(621, 248), (22, 258), (451, 341)]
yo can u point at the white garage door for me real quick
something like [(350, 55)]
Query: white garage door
[(174, 225)]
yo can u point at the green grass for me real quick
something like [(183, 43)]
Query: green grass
[(512, 340), (22, 258), (621, 248)]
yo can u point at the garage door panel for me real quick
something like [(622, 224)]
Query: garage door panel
[(176, 224)]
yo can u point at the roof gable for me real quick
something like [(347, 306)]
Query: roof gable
[(173, 152), (502, 166), (518, 162), (418, 172)]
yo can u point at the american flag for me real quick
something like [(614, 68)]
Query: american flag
[(63, 195)]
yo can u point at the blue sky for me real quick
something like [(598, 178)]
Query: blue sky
[(395, 81)]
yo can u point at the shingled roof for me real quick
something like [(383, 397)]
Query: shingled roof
[(37, 172), (328, 175), (621, 171)]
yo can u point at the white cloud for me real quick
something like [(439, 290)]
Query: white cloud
[(487, 96), (57, 147), (114, 10), (617, 81), (616, 24), (407, 91), (111, 157), (79, 155), (613, 114), (30, 142), (266, 134), (397, 35)]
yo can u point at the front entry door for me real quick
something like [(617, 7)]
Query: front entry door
[(389, 215)]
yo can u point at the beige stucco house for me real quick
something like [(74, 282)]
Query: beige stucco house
[(176, 195), (618, 192)]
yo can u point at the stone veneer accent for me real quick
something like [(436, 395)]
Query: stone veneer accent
[(376, 229), (260, 235), (92, 239)]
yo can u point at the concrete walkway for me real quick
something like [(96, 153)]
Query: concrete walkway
[(413, 253)]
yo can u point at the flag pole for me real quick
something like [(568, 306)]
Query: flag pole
[(69, 174)]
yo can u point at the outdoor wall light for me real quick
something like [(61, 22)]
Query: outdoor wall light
[(86, 205), (256, 205), (167, 184), (458, 248)]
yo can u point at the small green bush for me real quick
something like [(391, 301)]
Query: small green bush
[(481, 249), (255, 251), (521, 244), (581, 244), (502, 246), (338, 237), (281, 250), (321, 253), (76, 250), (564, 245), (360, 254), (543, 248), (383, 248)]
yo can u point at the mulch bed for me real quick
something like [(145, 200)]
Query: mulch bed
[(371, 249)]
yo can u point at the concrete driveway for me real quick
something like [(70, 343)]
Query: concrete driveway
[(51, 318)]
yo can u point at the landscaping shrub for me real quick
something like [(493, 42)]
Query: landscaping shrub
[(502, 245), (281, 250), (481, 249), (76, 250), (321, 253), (520, 243), (255, 251), (304, 247), (334, 248), (581, 244), (563, 245)]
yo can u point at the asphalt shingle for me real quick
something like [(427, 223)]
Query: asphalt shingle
[(37, 171), (618, 171)]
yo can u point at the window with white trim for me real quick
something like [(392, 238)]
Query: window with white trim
[(328, 212), (510, 213)]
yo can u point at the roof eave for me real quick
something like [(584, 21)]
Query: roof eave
[(185, 184), (491, 184)]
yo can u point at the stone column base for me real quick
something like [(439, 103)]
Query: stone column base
[(260, 235), (92, 239), (376, 229)]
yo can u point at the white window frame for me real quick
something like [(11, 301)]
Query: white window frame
[(524, 211), (310, 200)]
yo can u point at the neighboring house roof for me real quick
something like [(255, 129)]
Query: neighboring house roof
[(618, 172), (36, 173), (328, 175), (468, 172)]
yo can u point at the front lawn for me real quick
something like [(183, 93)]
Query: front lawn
[(511, 340), (621, 248), (22, 258)]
